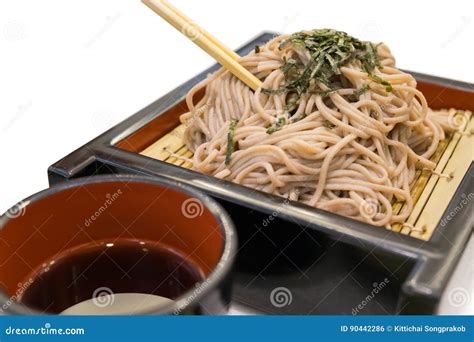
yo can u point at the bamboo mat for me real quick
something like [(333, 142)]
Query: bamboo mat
[(432, 193)]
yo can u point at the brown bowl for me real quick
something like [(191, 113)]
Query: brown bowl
[(104, 208)]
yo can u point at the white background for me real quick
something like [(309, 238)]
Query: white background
[(69, 70)]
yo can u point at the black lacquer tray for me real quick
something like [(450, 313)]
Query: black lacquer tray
[(294, 259)]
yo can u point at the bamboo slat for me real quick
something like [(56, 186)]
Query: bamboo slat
[(431, 192)]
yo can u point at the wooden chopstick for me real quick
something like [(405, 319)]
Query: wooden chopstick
[(196, 35), (206, 34)]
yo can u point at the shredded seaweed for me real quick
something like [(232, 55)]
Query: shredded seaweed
[(277, 125), (361, 90), (230, 140), (380, 80), (329, 51), (324, 93), (358, 92), (257, 48), (328, 125)]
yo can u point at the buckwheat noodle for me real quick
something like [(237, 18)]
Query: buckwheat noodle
[(348, 140)]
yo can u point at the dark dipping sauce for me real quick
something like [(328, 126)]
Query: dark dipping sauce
[(123, 266)]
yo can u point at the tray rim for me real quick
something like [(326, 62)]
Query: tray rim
[(428, 279)]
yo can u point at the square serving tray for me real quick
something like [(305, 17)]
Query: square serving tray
[(325, 263)]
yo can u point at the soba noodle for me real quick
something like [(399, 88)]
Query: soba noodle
[(335, 125)]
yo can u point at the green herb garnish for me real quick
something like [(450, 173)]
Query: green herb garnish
[(380, 80), (276, 126), (324, 93), (230, 140), (329, 50), (361, 90), (328, 125), (358, 92), (370, 60), (257, 48)]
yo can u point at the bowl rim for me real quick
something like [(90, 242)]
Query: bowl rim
[(187, 299)]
